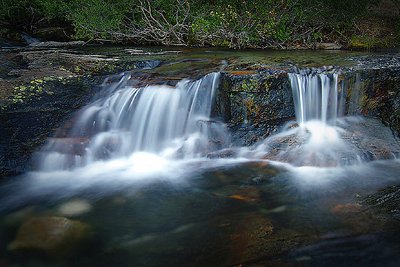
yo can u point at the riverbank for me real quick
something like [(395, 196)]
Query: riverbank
[(363, 25)]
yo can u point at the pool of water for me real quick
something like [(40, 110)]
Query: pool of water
[(214, 213)]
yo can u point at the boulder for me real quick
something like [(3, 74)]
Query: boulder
[(74, 207), (55, 237), (328, 46)]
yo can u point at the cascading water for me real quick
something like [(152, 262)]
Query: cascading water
[(317, 140), (316, 97), (168, 121)]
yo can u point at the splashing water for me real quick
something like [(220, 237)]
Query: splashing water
[(172, 122), (318, 105), (316, 140), (135, 136)]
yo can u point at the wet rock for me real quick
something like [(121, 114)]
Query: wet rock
[(254, 104), (224, 153), (17, 217), (352, 216), (52, 44), (51, 236), (14, 73), (374, 90), (372, 139), (246, 194), (242, 72), (346, 208), (385, 203), (360, 140), (40, 88), (328, 46), (142, 52), (27, 124), (257, 103), (255, 240), (352, 250), (359, 218)]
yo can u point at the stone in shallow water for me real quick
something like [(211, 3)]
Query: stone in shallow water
[(74, 207), (51, 236), (357, 218), (17, 217)]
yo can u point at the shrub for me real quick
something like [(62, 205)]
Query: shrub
[(94, 19), (234, 23)]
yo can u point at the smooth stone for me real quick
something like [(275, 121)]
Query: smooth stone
[(74, 207), (17, 217), (328, 46), (55, 237)]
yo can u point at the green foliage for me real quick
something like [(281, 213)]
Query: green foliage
[(96, 19), (33, 88), (16, 12), (27, 15), (234, 23), (397, 29)]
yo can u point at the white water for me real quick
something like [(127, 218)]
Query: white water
[(135, 136), (317, 139), (170, 122), (140, 132), (316, 97)]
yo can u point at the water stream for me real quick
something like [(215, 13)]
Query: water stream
[(173, 122), (137, 158)]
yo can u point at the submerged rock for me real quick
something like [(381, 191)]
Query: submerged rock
[(357, 218), (254, 239), (51, 236), (386, 204), (74, 207)]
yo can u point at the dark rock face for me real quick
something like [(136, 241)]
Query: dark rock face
[(386, 203), (25, 126), (40, 89), (375, 93), (258, 105), (254, 106)]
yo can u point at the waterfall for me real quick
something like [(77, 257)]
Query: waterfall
[(316, 97), (318, 104), (168, 121)]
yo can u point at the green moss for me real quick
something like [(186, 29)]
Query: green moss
[(251, 85), (367, 42), (34, 88)]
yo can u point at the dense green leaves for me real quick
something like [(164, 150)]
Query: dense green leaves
[(234, 23), (97, 19)]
